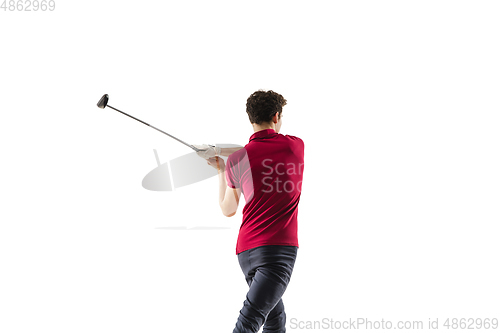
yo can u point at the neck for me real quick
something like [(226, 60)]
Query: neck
[(257, 128)]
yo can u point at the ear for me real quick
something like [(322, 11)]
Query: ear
[(276, 117)]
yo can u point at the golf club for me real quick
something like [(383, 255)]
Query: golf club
[(103, 102)]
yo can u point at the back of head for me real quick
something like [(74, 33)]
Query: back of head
[(263, 105)]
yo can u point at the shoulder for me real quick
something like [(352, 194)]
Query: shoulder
[(291, 137), (237, 155), (294, 138)]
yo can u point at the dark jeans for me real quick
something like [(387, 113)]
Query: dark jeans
[(268, 270)]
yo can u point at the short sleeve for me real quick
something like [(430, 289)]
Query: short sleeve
[(232, 173)]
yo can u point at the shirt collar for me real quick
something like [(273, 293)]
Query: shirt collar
[(262, 134)]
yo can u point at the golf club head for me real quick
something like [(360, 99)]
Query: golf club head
[(103, 101)]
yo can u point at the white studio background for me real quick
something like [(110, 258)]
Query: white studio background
[(397, 103)]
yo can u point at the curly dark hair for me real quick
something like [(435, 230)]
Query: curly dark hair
[(263, 105)]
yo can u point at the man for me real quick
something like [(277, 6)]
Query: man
[(268, 171)]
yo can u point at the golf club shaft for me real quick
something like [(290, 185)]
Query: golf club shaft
[(173, 137)]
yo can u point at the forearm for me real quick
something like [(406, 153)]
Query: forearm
[(228, 151), (222, 184)]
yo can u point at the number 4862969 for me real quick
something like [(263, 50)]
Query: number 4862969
[(28, 5)]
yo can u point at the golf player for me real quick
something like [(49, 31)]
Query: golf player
[(268, 171)]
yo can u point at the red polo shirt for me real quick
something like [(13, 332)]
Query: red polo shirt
[(268, 170)]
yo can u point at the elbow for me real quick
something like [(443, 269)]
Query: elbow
[(228, 215), (228, 210)]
